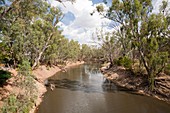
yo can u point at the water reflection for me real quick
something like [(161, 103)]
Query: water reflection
[(88, 80)]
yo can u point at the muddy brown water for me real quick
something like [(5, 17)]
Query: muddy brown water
[(82, 89)]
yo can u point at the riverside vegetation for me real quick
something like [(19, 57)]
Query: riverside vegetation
[(141, 44), (30, 37)]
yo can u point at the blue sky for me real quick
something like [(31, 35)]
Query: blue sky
[(109, 2), (68, 18)]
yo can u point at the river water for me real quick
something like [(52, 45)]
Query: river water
[(82, 89)]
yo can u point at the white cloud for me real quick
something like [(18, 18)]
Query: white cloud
[(85, 24), (156, 5)]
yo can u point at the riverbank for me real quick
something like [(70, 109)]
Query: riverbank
[(139, 83), (40, 75)]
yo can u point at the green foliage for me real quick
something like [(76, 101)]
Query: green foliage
[(86, 52), (25, 99), (25, 68), (30, 31), (4, 75), (144, 31), (124, 61), (108, 44), (167, 69), (14, 104), (74, 50), (11, 105)]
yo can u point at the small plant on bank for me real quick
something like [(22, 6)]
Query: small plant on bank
[(167, 69), (24, 68), (11, 105), (17, 104), (4, 75), (124, 61)]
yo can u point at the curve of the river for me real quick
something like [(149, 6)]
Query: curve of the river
[(82, 89)]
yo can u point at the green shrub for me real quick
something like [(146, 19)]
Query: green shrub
[(4, 75), (123, 61), (167, 69), (25, 68), (13, 104), (24, 101)]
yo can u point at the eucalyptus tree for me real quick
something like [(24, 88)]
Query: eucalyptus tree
[(47, 33), (15, 26), (86, 52), (62, 50), (74, 50), (144, 30), (30, 29), (5, 9), (108, 42)]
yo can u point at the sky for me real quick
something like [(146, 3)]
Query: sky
[(79, 25)]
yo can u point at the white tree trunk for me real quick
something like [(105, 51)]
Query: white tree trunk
[(37, 59)]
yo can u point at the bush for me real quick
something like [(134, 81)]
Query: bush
[(4, 75), (15, 105), (123, 61), (10, 105), (23, 101), (167, 69), (25, 68)]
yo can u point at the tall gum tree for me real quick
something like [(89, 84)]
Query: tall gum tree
[(145, 31), (29, 29)]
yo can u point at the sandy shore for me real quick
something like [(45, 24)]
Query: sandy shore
[(42, 73)]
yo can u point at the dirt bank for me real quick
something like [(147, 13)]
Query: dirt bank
[(139, 84), (41, 74)]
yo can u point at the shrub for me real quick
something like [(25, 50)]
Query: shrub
[(10, 105), (13, 104), (167, 69), (25, 68), (25, 99), (124, 61), (4, 75)]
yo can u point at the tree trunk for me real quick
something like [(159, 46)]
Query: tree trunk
[(111, 61), (37, 59), (149, 71)]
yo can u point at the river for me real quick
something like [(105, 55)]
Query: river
[(82, 89)]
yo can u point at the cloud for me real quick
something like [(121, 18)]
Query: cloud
[(157, 4), (84, 24)]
